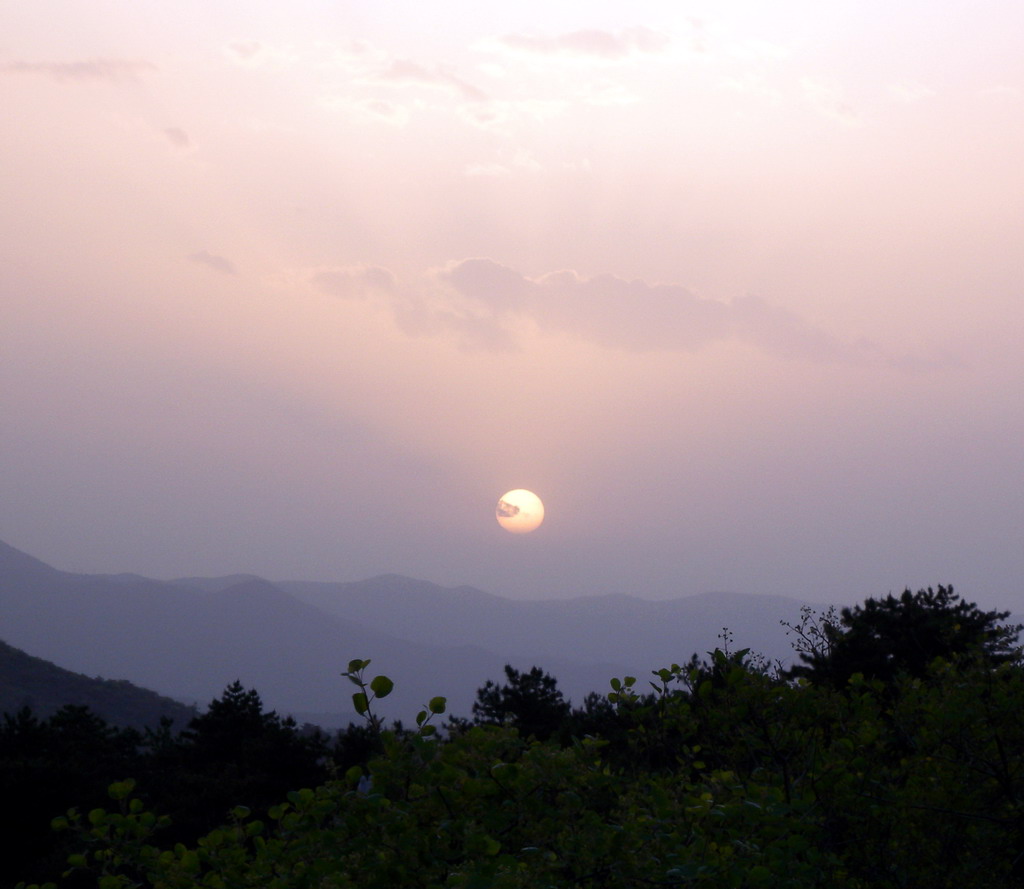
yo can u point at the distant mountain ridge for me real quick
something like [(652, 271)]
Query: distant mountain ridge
[(290, 640), (617, 628)]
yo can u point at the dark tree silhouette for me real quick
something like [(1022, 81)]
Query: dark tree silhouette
[(233, 754), (531, 702), (46, 767), (902, 635)]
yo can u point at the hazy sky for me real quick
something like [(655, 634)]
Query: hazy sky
[(301, 289)]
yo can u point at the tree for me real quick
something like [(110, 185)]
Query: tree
[(47, 766), (233, 754), (886, 637), (531, 702), (759, 783)]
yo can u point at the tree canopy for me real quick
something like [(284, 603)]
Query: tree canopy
[(725, 774), (531, 702), (883, 638)]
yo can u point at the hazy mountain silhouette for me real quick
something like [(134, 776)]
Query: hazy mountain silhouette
[(638, 633), (43, 687), (189, 638)]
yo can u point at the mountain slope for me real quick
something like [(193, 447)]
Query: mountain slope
[(45, 688), (181, 640)]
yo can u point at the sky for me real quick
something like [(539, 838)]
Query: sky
[(302, 289)]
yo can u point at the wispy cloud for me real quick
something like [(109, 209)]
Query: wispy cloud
[(522, 161), (212, 261), (829, 101), (177, 137), (483, 304), (112, 70), (355, 282), (590, 43), (367, 109), (244, 52), (908, 91), (406, 72), (256, 54)]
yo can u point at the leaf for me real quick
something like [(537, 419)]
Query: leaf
[(438, 704), (190, 862), (381, 686), (360, 702), (121, 789), (355, 665), (353, 774)]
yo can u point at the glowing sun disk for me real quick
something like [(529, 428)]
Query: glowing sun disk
[(520, 511)]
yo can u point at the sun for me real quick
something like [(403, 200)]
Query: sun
[(520, 511)]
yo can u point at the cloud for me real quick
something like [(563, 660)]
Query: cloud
[(631, 315), (244, 52), (357, 282), (217, 263), (487, 168), (386, 111), (782, 333), (111, 70), (178, 137), (590, 44), (407, 73), (483, 305), (254, 54), (496, 113), (522, 161), (605, 310), (908, 91), (507, 510), (828, 100), (639, 316), (493, 285), (368, 110)]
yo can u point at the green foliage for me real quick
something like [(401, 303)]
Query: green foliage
[(725, 775), (376, 688), (234, 753)]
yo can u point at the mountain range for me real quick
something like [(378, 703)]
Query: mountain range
[(290, 640)]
